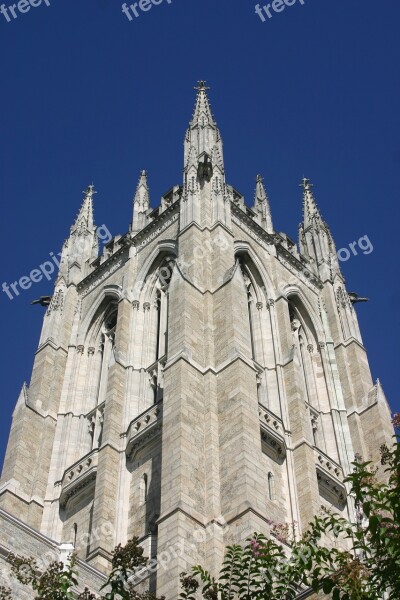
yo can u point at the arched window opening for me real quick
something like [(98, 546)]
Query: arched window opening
[(107, 351), (305, 367), (156, 325), (312, 375), (251, 307), (305, 341), (157, 305)]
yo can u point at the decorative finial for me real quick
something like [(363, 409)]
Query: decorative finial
[(202, 86), (90, 191), (306, 184), (260, 178)]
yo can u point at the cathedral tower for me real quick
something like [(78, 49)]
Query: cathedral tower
[(201, 378)]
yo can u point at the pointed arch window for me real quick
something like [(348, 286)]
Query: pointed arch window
[(305, 342), (157, 304), (312, 376), (251, 308), (107, 351)]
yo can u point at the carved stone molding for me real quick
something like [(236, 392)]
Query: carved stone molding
[(331, 489), (144, 429), (56, 303), (78, 476), (153, 232), (272, 434), (99, 276), (146, 306), (80, 349), (135, 304)]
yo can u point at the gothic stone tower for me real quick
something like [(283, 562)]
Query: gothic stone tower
[(201, 378)]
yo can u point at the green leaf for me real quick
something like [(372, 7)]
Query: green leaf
[(336, 594), (315, 585), (367, 508), (373, 524), (327, 586)]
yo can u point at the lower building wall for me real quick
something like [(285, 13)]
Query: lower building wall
[(22, 540)]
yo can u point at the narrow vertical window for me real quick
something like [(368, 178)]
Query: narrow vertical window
[(250, 307), (143, 489), (157, 305), (271, 486), (108, 358), (74, 533)]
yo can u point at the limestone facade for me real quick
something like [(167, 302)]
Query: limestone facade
[(204, 377)]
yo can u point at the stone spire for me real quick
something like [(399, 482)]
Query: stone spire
[(81, 248), (311, 214), (141, 204), (203, 134), (205, 188), (85, 219), (315, 238), (202, 112), (261, 206)]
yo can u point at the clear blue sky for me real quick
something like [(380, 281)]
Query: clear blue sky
[(88, 95)]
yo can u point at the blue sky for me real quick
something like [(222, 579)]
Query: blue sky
[(88, 95)]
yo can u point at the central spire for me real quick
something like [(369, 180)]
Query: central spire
[(202, 115), (203, 136), (204, 184)]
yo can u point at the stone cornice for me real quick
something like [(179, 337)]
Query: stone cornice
[(217, 224), (265, 239), (359, 412), (12, 487), (6, 516), (40, 537), (289, 261), (144, 428), (184, 355), (103, 271), (78, 476), (252, 227), (52, 344), (348, 342), (164, 220), (48, 414)]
